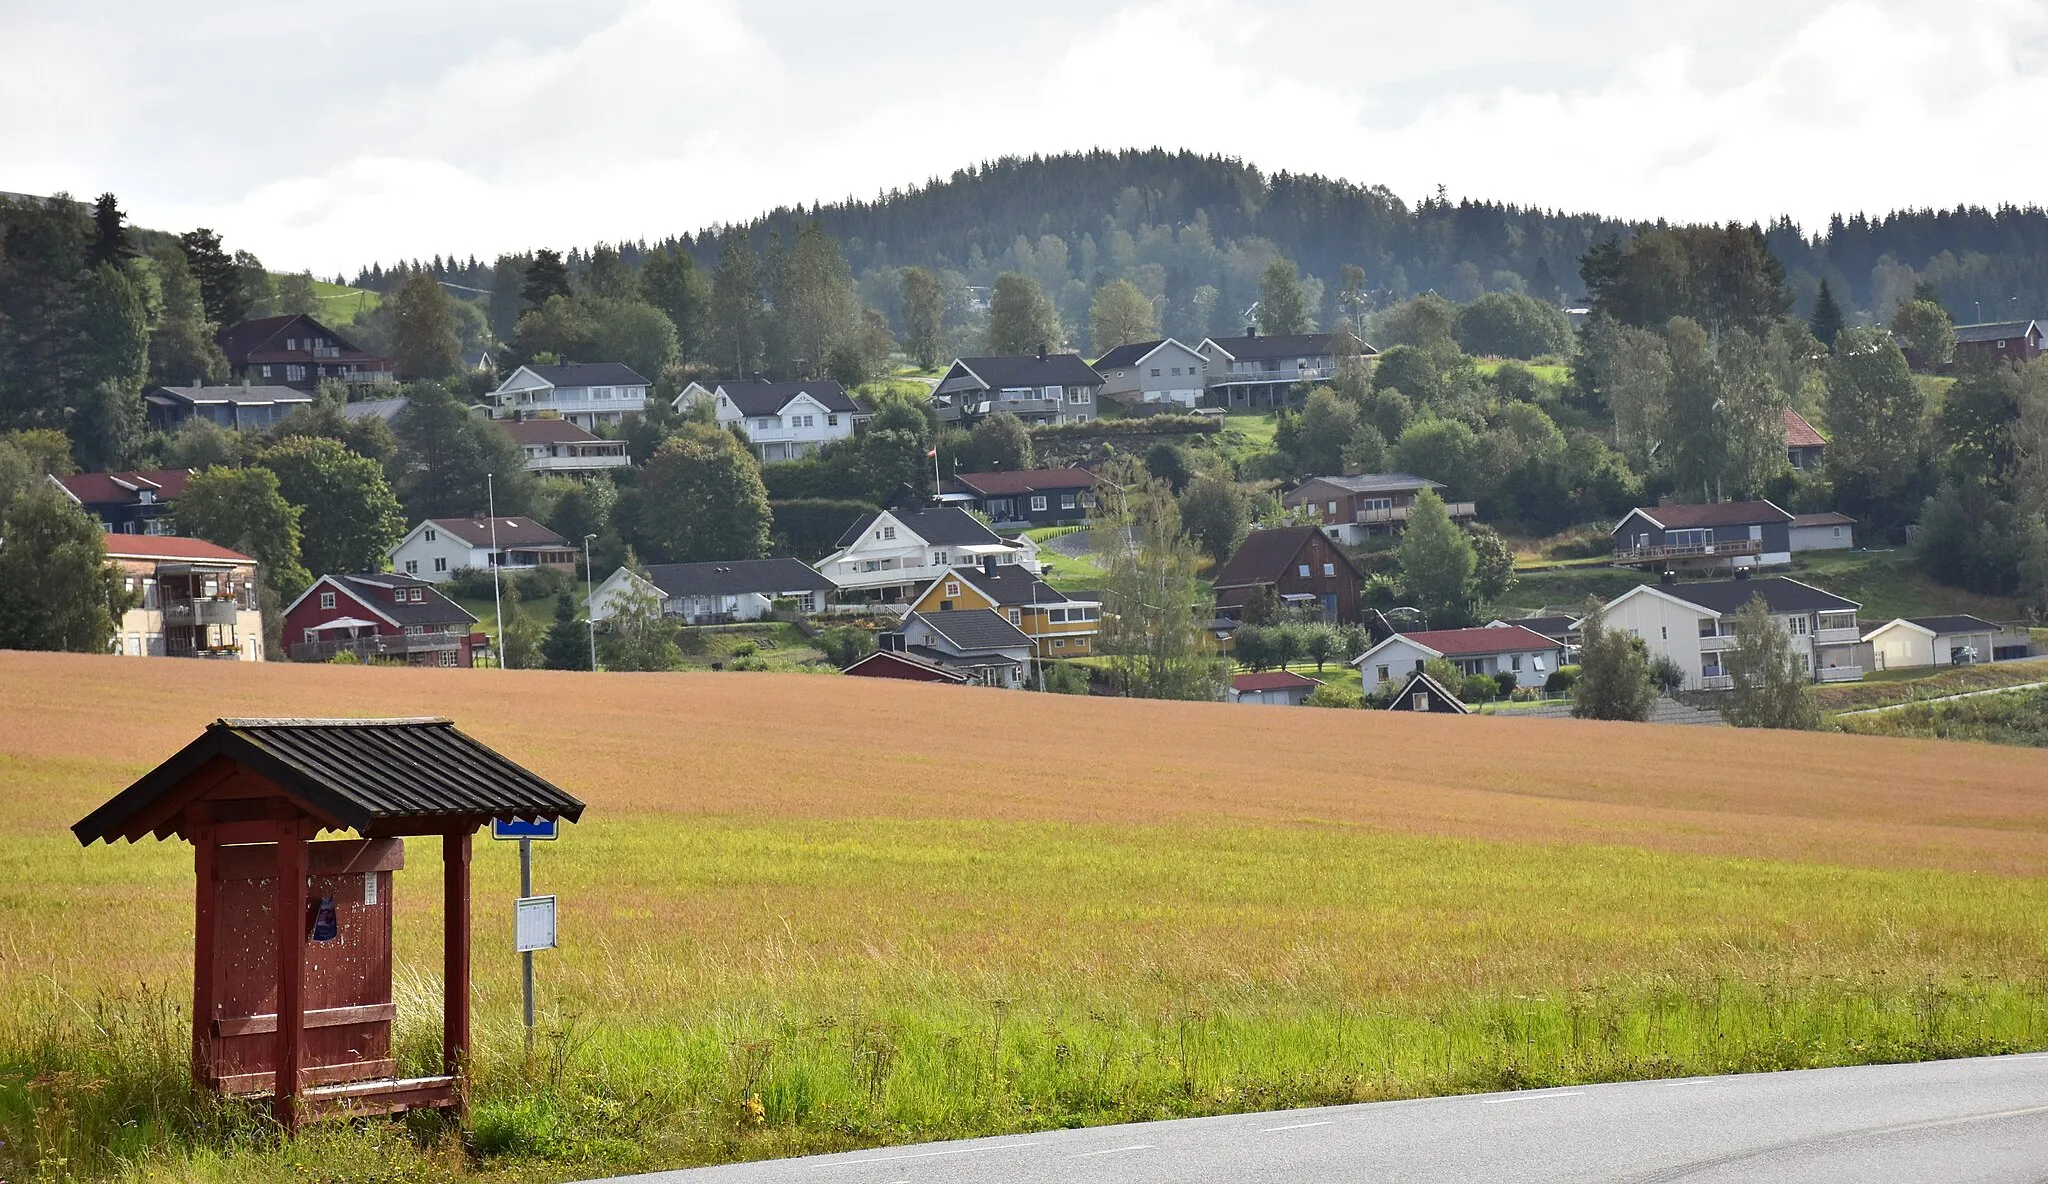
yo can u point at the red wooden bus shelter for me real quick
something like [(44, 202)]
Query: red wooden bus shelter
[(291, 982)]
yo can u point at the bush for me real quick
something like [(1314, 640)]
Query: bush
[(747, 663), (1335, 695), (1506, 683), (845, 645), (545, 583), (1561, 682), (1479, 688), (1065, 678), (1585, 543), (1154, 425), (470, 583)]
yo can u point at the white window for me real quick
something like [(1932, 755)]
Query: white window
[(1838, 532), (952, 589), (1056, 616), (312, 636), (266, 372), (888, 532), (1016, 618), (1518, 663), (447, 657), (1329, 569), (1538, 660), (1420, 701), (292, 343), (1796, 626), (1333, 509), (940, 559), (1038, 502), (432, 536), (1078, 395), (1302, 570), (412, 567), (327, 600), (1381, 671), (832, 421), (1066, 501), (419, 595), (1059, 643)]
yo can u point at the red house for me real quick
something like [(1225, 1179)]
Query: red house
[(298, 351), (904, 667), (378, 616), (1299, 565)]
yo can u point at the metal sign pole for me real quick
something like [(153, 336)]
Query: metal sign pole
[(526, 956)]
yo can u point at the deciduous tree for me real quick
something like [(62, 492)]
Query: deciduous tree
[(1021, 319), (924, 316), (1769, 688), (57, 591), (1154, 613), (701, 499), (1283, 305), (1614, 672), (1120, 315), (1437, 562), (423, 340), (348, 516), (243, 509)]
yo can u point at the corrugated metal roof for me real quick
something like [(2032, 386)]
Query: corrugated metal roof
[(396, 776)]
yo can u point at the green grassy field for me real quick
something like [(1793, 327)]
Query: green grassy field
[(2018, 717), (339, 305), (793, 923)]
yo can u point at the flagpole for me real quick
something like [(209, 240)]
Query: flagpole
[(497, 597), (935, 472)]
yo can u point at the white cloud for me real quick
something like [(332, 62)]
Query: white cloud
[(525, 123)]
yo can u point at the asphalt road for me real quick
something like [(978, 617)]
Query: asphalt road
[(1983, 1120)]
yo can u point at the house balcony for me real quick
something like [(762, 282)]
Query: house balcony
[(1717, 642), (1839, 674), (1730, 549), (1849, 636), (204, 610), (1289, 374), (1717, 682), (1394, 515), (383, 645), (580, 463)]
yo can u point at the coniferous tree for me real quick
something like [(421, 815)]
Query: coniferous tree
[(423, 340), (110, 243), (737, 314), (673, 284), (219, 279), (567, 645), (1827, 322), (546, 276)]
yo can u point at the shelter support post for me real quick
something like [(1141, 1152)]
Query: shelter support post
[(206, 889), (455, 852), (291, 970)]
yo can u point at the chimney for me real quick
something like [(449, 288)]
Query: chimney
[(476, 515), (988, 565), (1667, 577), (1742, 573), (1041, 351), (1251, 330)]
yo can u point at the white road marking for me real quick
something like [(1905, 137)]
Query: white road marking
[(851, 1163), (1294, 1126), (1112, 1151), (1570, 1093)]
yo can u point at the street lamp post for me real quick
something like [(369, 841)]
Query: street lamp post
[(589, 605)]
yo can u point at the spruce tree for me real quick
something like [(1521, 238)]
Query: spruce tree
[(1827, 316), (110, 238), (546, 276), (567, 645)]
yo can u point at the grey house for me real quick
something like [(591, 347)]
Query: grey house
[(1048, 388), (1260, 371), (1163, 371), (236, 407), (1716, 534)]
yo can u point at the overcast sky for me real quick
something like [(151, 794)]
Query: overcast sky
[(327, 136)]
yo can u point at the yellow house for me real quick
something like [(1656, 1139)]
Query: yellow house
[(1059, 624)]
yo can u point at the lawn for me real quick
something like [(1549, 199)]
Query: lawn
[(339, 305), (801, 915), (2018, 717)]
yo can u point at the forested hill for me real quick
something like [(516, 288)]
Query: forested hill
[(1179, 222)]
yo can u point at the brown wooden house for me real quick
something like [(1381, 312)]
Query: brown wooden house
[(1299, 565)]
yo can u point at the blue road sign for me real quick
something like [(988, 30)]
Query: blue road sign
[(545, 828)]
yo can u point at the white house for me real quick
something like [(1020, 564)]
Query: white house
[(1163, 371), (718, 593), (558, 446), (1694, 625), (1489, 650), (584, 393), (1822, 532), (783, 420), (1906, 642), (437, 547), (892, 554)]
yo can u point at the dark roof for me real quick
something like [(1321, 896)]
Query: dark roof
[(1683, 517), (384, 409), (239, 341), (1286, 345), (1127, 355), (1271, 680), (1963, 623), (948, 526), (1825, 518), (1781, 593), (545, 431), (374, 589), (231, 393), (381, 776), (512, 532), (1799, 433), (768, 398), (975, 629), (735, 576), (925, 668), (588, 374), (1029, 370), (1264, 556), (1023, 481), (105, 489), (1375, 483), (1010, 584), (1993, 331), (1554, 628), (1421, 681)]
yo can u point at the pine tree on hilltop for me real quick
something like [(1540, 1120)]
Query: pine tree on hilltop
[(1827, 316)]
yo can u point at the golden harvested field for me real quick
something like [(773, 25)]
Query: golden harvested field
[(807, 912)]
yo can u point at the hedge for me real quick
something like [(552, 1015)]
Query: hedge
[(1155, 425)]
